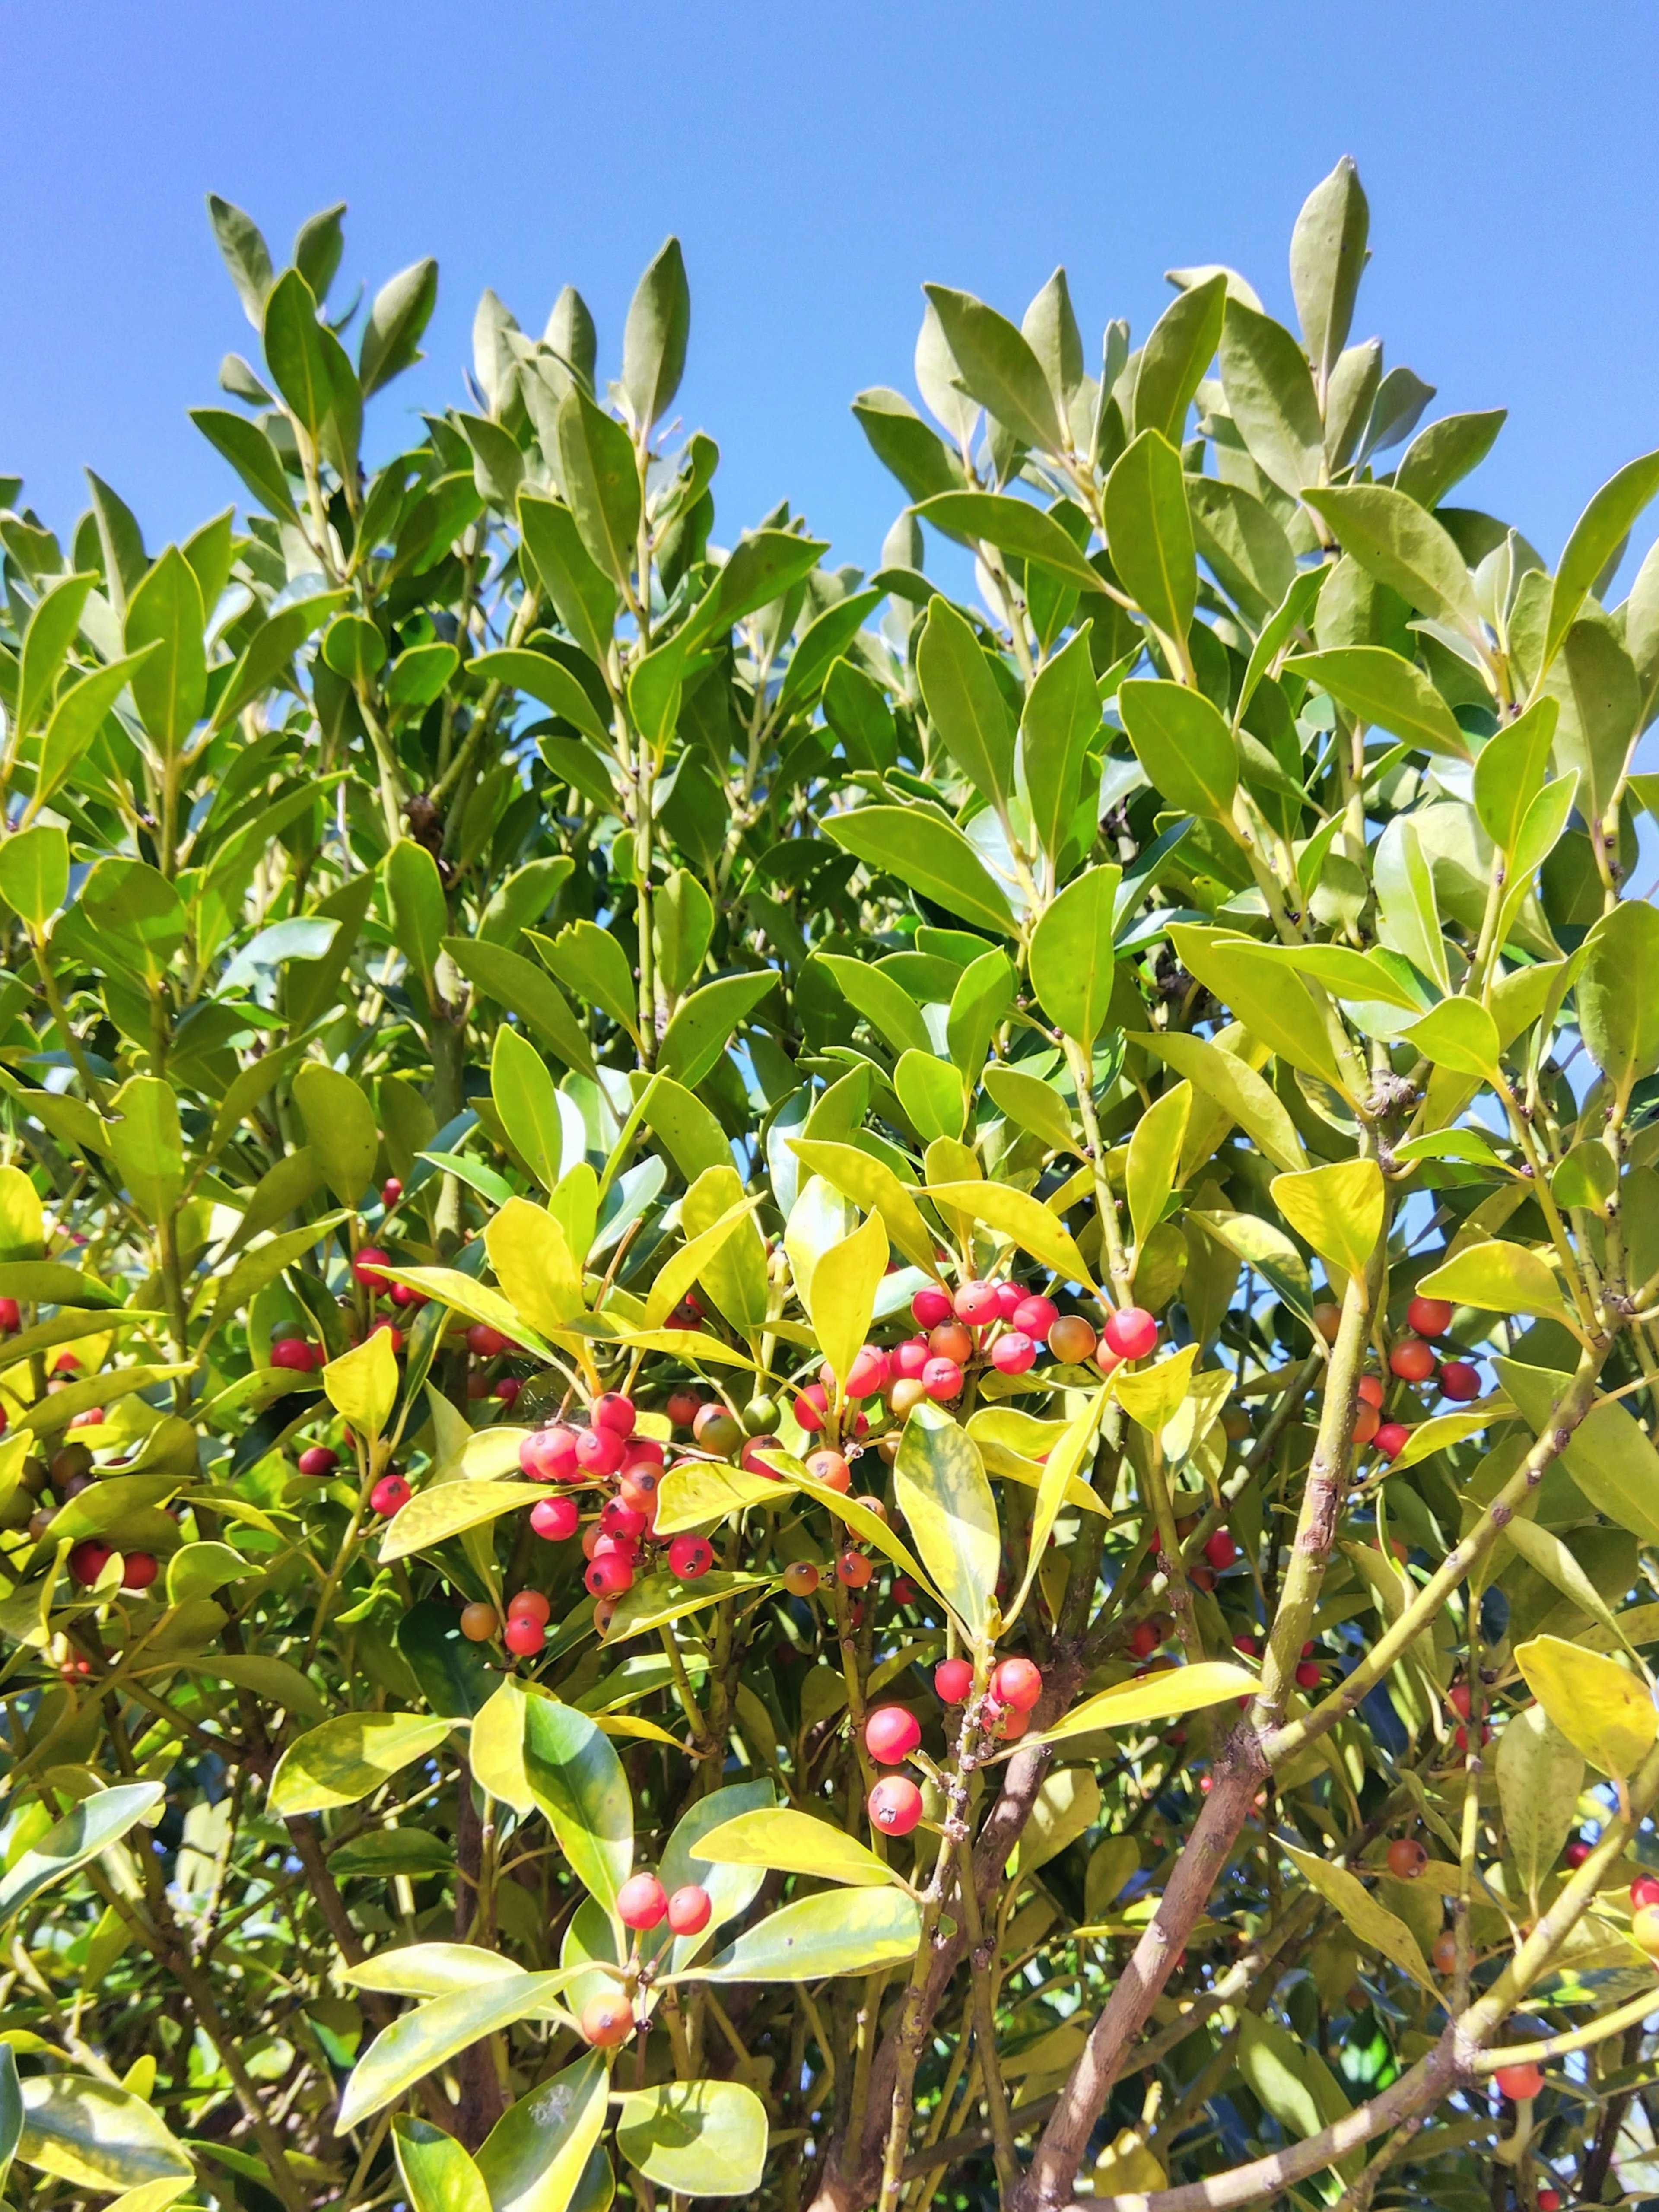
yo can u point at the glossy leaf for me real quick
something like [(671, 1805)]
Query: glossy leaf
[(348, 1758), (1605, 1711), (1073, 960), (90, 1827), (938, 1482), (699, 2138), (795, 1843), (839, 1932), (1148, 532), (1184, 745)]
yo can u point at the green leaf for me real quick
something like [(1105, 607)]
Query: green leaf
[(547, 680), (1439, 456), (1288, 2078), (577, 1781), (246, 255), (253, 456), (1377, 686), (534, 1264), (1395, 541), (734, 1272), (837, 1932), (1244, 545), (1271, 396), (148, 1144), (1599, 694), (919, 848), (964, 703), (96, 2136), (77, 717), (1037, 1106), (602, 482), (340, 1124), (676, 1278), (34, 873), (1233, 1083), (872, 1185), (1501, 1277), (842, 1295), (89, 1828), (1073, 964), (200, 1569), (363, 1384), (46, 640), (697, 2138), (269, 650), (940, 1486), (523, 988), (1604, 1710), (1375, 1926), (795, 1843), (1273, 1004), (589, 962), (534, 2157), (1022, 1218), (1540, 1775), (763, 567), (1159, 1696), (1604, 523), (1545, 1552), (437, 2172), (1459, 1034), (1059, 1484), (392, 336), (1184, 744), (1409, 915), (1149, 534), (1618, 993), (528, 1105), (902, 442), (1154, 1157), (348, 1758), (1013, 525), (930, 1091), (294, 352), (1606, 1454), (704, 1024), (1179, 348), (1509, 771), (885, 1004), (444, 1510), (654, 337), (1336, 1209), (1328, 258), (422, 2041), (996, 367), (1062, 714), (582, 593), (169, 685), (11, 2112), (415, 893)]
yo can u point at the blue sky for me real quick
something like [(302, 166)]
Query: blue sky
[(820, 162)]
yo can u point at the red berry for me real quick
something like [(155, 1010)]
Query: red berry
[(1018, 1683), (894, 1805), (975, 1303), (1036, 1316), (484, 1342), (606, 2021), (811, 1407), (367, 1265), (403, 1294), (292, 1352), (1549, 2200), (682, 1408), (385, 1327), (641, 1901), (870, 1372), (891, 1734), (1307, 1675), (612, 1411), (952, 1680), (530, 1604), (599, 1451), (1459, 1699), (390, 1191), (1518, 2083), (930, 1307), (1429, 1316), (749, 1458), (138, 1570), (88, 1561), (1407, 1858), (1411, 1359), (1130, 1333), (11, 1317), (638, 1486), (1144, 1639), (1366, 1423), (1390, 1438), (554, 1518), (690, 1557), (908, 1359), (950, 1340), (1577, 1852), (1370, 1389), (1459, 1380), (619, 1520), (689, 1910), (1013, 1353), (609, 1577), (1220, 1550), (1644, 1890), (853, 1569), (549, 1455), (942, 1379), (830, 1468), (1246, 1645), (523, 1635), (389, 1495), (508, 1388), (317, 1459)]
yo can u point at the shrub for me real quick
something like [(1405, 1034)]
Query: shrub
[(817, 1394)]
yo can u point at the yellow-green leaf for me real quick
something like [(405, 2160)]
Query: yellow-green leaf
[(843, 1295), (872, 1185), (1502, 1276), (1024, 1220), (1598, 1705), (363, 1384), (1152, 1395), (939, 1482), (1337, 1209), (1160, 1696), (1149, 1174), (1378, 1928), (795, 1843), (348, 1758), (676, 1278), (534, 1264)]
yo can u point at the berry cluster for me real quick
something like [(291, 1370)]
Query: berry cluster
[(893, 1733)]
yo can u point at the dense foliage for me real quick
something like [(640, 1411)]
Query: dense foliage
[(817, 1391)]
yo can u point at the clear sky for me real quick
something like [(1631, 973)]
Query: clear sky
[(818, 163)]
